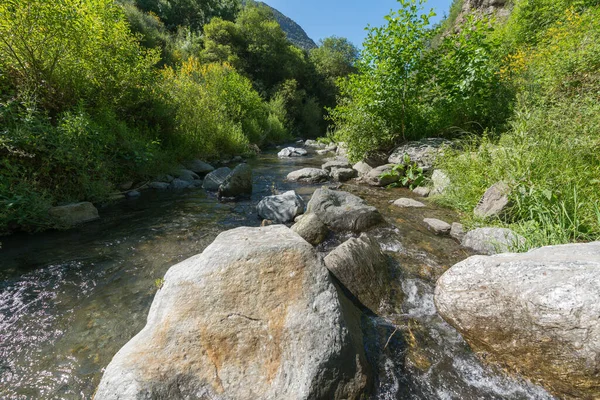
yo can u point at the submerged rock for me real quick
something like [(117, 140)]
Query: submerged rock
[(492, 240), (213, 180), (423, 152), (255, 316), (536, 312), (281, 208), (494, 201), (309, 175), (438, 226), (74, 214), (238, 182), (342, 211), (408, 203)]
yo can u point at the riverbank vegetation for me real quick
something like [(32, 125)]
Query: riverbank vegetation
[(520, 94), (95, 93)]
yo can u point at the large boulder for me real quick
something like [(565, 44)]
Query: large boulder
[(73, 214), (343, 174), (199, 167), (492, 240), (379, 176), (281, 208), (213, 180), (311, 229), (255, 316), (187, 175), (238, 182), (494, 201), (423, 152), (362, 168), (342, 211), (537, 313), (292, 152), (360, 265), (309, 175), (335, 164)]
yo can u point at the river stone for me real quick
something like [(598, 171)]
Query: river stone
[(311, 229), (133, 194), (438, 227), (362, 168), (158, 185), (441, 182), (494, 201), (322, 152), (281, 208), (187, 175), (343, 174), (310, 175), (213, 180), (342, 211), (314, 144), (457, 231), (199, 167), (335, 164), (363, 269), (423, 152), (165, 178), (407, 203), (421, 191), (179, 184), (537, 313), (73, 214), (238, 182), (255, 316), (374, 178), (492, 240), (292, 152)]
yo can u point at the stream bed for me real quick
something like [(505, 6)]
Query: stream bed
[(70, 300)]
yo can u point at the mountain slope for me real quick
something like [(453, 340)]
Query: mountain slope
[(294, 32)]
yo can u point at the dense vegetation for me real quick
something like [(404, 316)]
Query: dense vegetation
[(96, 92), (521, 95)]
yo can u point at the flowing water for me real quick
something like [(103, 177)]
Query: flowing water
[(70, 300)]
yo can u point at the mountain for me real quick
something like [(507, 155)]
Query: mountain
[(294, 32)]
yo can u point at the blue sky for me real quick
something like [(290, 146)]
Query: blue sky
[(346, 18)]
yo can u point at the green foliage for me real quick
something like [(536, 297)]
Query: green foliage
[(335, 57), (192, 13), (408, 173)]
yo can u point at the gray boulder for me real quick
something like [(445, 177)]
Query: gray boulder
[(343, 174), (73, 214), (335, 164), (421, 191), (457, 231), (424, 152), (314, 144), (536, 313), (374, 177), (179, 184), (494, 201), (238, 182), (342, 211), (187, 175), (408, 203), (492, 240), (292, 152), (255, 316), (362, 168), (159, 185), (311, 229), (438, 226), (213, 180), (309, 175), (363, 269), (199, 167), (441, 182), (281, 208)]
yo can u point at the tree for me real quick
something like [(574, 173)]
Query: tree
[(335, 57)]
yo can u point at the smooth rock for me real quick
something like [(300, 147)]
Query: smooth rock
[(407, 203), (322, 152), (165, 178), (255, 316), (132, 194), (314, 144), (438, 227), (343, 174), (457, 231), (362, 168), (179, 184), (492, 240), (199, 167), (213, 180), (423, 152), (441, 182), (292, 152), (421, 191), (374, 177), (238, 182), (281, 208), (187, 175), (311, 229), (536, 313), (342, 211), (309, 175), (334, 164), (494, 201), (159, 185), (360, 265), (73, 214)]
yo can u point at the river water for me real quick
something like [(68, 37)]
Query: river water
[(70, 300)]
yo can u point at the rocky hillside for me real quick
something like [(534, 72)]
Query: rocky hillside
[(294, 32)]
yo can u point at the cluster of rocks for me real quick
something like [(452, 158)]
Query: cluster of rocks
[(337, 169)]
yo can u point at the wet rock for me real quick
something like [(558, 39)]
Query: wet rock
[(322, 152), (187, 175), (343, 174), (421, 191), (438, 227), (311, 229), (492, 240), (494, 201), (424, 152), (335, 164), (374, 177), (309, 175), (362, 268), (199, 167), (179, 184), (281, 208), (342, 211), (362, 168), (255, 316), (126, 186), (292, 152), (457, 231), (238, 182), (407, 203), (213, 180), (74, 214), (158, 185), (132, 194), (535, 312), (314, 144), (332, 147), (165, 178), (441, 182)]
